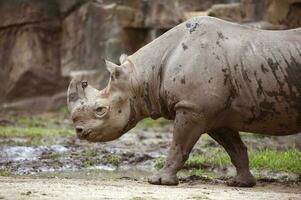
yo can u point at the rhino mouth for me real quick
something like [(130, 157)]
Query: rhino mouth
[(89, 136)]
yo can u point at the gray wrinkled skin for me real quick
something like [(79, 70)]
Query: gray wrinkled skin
[(209, 76)]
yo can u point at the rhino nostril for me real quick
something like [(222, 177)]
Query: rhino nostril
[(79, 129)]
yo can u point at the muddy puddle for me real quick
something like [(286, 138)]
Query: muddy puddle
[(72, 155), (71, 158)]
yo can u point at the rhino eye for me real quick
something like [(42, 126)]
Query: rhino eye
[(101, 111)]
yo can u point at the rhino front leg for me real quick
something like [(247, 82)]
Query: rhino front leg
[(237, 151), (188, 128)]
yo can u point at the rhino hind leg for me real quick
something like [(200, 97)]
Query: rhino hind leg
[(188, 128), (237, 151)]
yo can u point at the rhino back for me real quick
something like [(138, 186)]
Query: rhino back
[(231, 70)]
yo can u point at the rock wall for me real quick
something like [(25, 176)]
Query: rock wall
[(267, 14), (45, 42), (29, 49)]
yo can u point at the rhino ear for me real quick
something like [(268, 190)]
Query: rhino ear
[(111, 67), (123, 58), (115, 70)]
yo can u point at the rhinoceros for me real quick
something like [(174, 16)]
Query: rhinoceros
[(209, 76)]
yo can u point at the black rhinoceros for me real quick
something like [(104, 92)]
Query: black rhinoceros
[(209, 76)]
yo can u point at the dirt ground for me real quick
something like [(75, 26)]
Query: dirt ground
[(37, 188), (67, 168)]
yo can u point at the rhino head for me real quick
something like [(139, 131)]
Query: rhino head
[(102, 115)]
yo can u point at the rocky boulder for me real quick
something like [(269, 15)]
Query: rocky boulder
[(29, 49), (270, 14)]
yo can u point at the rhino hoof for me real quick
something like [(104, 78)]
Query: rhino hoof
[(163, 179), (240, 181)]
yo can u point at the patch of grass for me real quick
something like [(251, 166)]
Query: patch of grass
[(90, 163), (4, 172), (150, 123), (64, 110), (253, 135), (289, 161), (200, 197), (91, 156), (159, 163), (33, 132), (31, 122), (217, 158), (113, 160), (197, 172), (90, 152), (34, 135)]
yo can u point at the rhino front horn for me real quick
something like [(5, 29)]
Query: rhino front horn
[(79, 92), (72, 94)]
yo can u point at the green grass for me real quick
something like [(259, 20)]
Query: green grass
[(33, 132), (31, 122), (4, 172), (150, 123), (217, 157), (90, 152), (90, 162), (289, 161), (34, 135), (113, 160), (64, 110)]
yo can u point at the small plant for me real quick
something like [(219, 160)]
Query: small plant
[(113, 160), (159, 163), (89, 163), (90, 152)]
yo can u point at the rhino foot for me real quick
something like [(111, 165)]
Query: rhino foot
[(163, 179), (242, 181)]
